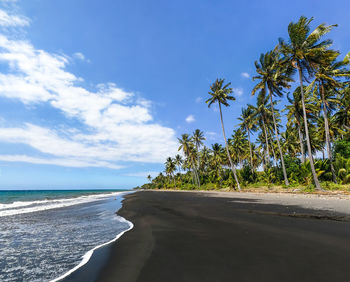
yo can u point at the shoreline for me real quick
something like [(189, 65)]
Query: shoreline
[(88, 255)]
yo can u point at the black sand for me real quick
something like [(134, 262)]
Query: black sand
[(190, 237)]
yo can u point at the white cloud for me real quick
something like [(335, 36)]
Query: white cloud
[(12, 20), (117, 124), (211, 135), (190, 119), (245, 75), (199, 99), (57, 161), (238, 91), (79, 56)]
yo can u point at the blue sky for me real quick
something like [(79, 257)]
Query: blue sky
[(94, 93)]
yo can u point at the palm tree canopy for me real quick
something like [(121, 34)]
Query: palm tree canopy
[(273, 73), (198, 137), (220, 93), (305, 50)]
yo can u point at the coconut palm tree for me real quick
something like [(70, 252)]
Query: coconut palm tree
[(304, 52), (149, 177), (170, 169), (186, 146), (342, 116), (327, 81), (178, 162), (238, 145), (261, 115), (273, 76), (220, 93), (198, 138), (248, 124)]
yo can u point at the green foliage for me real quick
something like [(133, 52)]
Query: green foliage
[(248, 174), (342, 147)]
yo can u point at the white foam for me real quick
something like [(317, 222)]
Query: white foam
[(86, 257), (35, 206)]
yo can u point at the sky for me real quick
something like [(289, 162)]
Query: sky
[(93, 94)]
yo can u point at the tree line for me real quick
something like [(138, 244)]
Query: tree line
[(315, 80)]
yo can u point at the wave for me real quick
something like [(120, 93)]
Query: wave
[(86, 257), (21, 207)]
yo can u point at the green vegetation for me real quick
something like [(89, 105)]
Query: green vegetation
[(317, 123)]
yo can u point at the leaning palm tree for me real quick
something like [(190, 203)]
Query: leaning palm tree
[(220, 93), (248, 124), (304, 52), (273, 76), (327, 81)]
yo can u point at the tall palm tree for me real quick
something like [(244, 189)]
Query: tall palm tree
[(198, 138), (248, 124), (304, 52), (220, 93), (178, 162), (327, 81), (261, 114), (170, 169), (273, 76), (187, 147)]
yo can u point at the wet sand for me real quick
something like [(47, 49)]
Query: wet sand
[(182, 236)]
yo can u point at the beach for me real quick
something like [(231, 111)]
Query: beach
[(201, 236)]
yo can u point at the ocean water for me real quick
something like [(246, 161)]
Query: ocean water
[(45, 235)]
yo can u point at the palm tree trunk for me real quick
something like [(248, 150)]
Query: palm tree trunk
[(317, 183), (274, 154), (250, 150), (267, 144), (278, 142), (301, 137), (227, 151), (328, 142)]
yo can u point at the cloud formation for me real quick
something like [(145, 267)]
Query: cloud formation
[(190, 119), (238, 91), (114, 125), (245, 75), (12, 20)]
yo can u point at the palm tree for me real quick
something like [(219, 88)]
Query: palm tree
[(149, 177), (342, 116), (198, 138), (304, 52), (178, 162), (273, 76), (261, 114), (326, 82), (187, 147), (217, 159), (248, 124), (238, 145), (220, 94), (170, 169)]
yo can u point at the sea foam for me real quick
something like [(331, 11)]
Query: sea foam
[(21, 207)]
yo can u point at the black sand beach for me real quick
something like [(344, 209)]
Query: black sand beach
[(182, 236)]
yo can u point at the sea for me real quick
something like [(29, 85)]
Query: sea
[(46, 235)]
